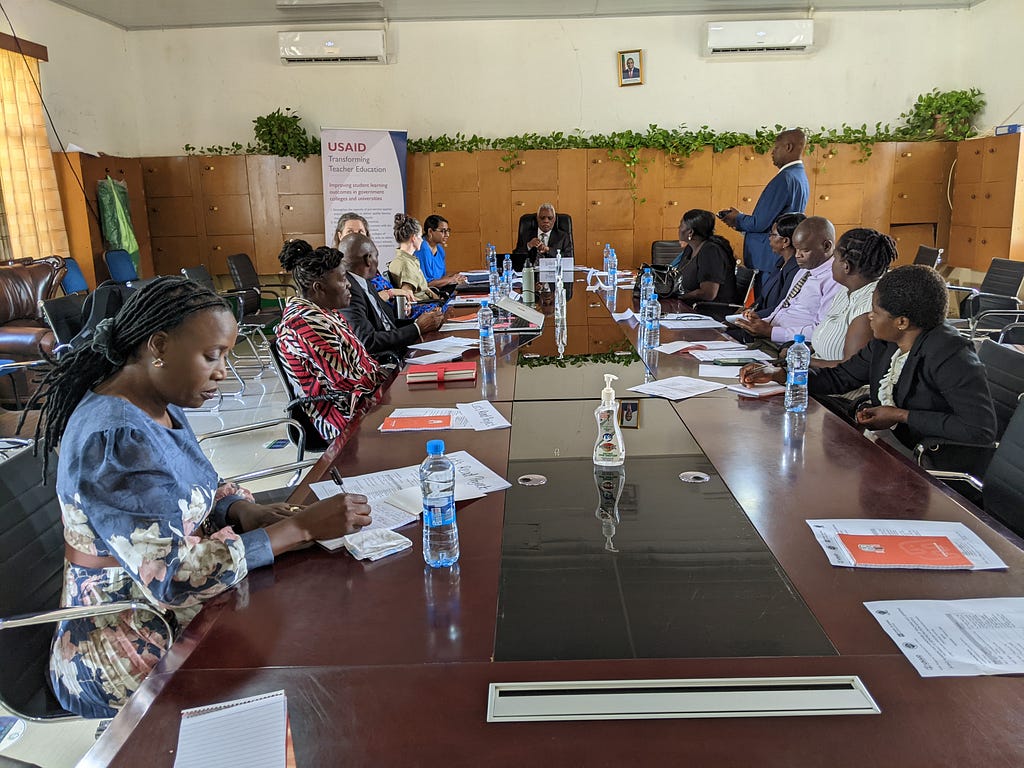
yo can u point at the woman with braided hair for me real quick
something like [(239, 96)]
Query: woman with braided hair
[(862, 257), (145, 516)]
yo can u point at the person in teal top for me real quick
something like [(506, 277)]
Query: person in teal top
[(431, 253)]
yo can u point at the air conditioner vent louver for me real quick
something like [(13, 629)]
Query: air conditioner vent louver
[(349, 46), (757, 38)]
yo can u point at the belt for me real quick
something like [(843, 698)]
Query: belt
[(76, 557)]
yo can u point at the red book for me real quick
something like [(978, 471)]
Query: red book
[(458, 371)]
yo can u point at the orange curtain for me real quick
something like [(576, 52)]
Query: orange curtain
[(27, 179)]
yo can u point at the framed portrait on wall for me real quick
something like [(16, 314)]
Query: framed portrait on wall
[(631, 67)]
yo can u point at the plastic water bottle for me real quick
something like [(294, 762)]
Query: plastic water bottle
[(440, 531), (607, 255), (494, 282), (653, 324), (485, 322), (798, 360), (612, 269), (506, 268), (646, 287), (491, 257), (558, 267)]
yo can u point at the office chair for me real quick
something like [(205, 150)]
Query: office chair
[(64, 316), (929, 257), (1002, 490), (121, 267), (244, 277), (74, 280), (31, 580), (988, 308), (744, 287), (563, 223), (304, 429), (664, 252)]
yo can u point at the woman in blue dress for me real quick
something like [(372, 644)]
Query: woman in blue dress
[(431, 254), (146, 517)]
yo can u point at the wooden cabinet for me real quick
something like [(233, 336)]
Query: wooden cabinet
[(988, 203), (908, 237), (223, 175), (85, 239)]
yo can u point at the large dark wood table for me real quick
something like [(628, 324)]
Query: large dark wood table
[(379, 672)]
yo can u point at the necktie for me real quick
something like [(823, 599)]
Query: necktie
[(796, 289), (544, 238)]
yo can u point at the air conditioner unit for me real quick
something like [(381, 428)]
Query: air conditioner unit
[(751, 38), (350, 46)]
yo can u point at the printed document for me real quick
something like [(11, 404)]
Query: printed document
[(677, 387)]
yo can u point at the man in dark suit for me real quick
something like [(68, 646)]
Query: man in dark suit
[(372, 319), (538, 236), (630, 71)]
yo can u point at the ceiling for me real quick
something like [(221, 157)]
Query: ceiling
[(162, 14)]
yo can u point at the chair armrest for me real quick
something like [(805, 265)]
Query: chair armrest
[(976, 454), (976, 321), (1009, 327), (295, 466), (980, 295), (86, 612), (971, 480), (22, 365), (300, 442), (962, 288)]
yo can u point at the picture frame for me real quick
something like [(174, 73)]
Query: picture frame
[(630, 65), (629, 414)]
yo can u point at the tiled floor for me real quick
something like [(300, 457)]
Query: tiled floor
[(62, 744)]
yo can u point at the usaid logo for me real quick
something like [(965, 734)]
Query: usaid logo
[(345, 146)]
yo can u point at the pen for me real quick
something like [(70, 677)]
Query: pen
[(336, 477)]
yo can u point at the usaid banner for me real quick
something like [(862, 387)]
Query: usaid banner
[(364, 172)]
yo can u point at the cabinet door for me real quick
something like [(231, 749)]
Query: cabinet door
[(621, 240), (605, 173), (300, 178), (999, 161), (170, 254), (839, 203), (219, 247), (683, 200), (417, 191), (166, 176), (227, 215), (609, 209), (969, 155), (223, 175), (965, 202), (963, 245), (301, 213), (746, 198), (755, 170), (993, 243), (839, 164), (535, 169), (995, 204), (692, 171), (453, 172), (169, 216), (917, 201), (908, 237), (922, 161), (462, 209), (465, 251)]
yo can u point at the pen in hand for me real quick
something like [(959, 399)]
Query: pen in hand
[(336, 477)]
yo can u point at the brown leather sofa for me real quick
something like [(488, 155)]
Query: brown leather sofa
[(23, 332)]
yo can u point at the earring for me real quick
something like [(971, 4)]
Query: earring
[(158, 362)]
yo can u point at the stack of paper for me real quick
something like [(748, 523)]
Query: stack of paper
[(480, 415), (677, 387), (689, 347), (767, 389)]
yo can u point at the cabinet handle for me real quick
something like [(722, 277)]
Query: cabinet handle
[(977, 151), (904, 196), (151, 170), (154, 210), (520, 203), (991, 151), (593, 306), (214, 208), (286, 167), (988, 195), (746, 199), (908, 154), (984, 242), (439, 165), (823, 197), (597, 161), (209, 168), (442, 205), (672, 202), (217, 247), (520, 162), (974, 197), (289, 207), (595, 202), (970, 239), (833, 153), (750, 158)]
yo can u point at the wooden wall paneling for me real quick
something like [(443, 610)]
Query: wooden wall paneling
[(453, 172), (838, 164), (970, 155), (462, 209), (630, 253), (647, 218), (224, 174), (534, 169), (315, 239), (993, 243), (166, 177), (839, 203), (264, 174), (610, 209), (572, 194), (876, 188), (918, 161), (495, 224), (725, 179), (219, 247), (996, 204), (523, 201), (417, 189), (227, 215), (965, 201), (297, 177), (604, 172), (76, 213), (908, 237)]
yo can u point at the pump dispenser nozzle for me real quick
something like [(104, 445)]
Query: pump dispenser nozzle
[(608, 394)]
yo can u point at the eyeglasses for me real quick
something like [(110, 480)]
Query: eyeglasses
[(445, 231), (776, 235)]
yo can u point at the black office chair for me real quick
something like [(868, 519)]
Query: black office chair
[(986, 309), (744, 287), (31, 580), (304, 430), (64, 316), (1002, 490), (243, 275), (563, 223), (929, 257), (664, 252)]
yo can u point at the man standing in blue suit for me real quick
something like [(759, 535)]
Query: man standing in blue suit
[(787, 192)]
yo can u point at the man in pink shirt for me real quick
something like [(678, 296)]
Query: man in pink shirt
[(812, 290)]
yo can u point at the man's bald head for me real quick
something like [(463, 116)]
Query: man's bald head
[(815, 241), (789, 146), (359, 255)]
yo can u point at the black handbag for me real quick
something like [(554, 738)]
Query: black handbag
[(665, 278)]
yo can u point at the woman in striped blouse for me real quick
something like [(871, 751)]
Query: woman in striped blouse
[(322, 356)]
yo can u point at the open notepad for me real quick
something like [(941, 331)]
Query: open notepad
[(252, 732)]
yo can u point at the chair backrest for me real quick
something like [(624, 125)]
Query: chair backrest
[(1004, 277), (74, 279), (199, 274), (243, 273), (31, 579), (1003, 493), (1005, 370), (294, 409), (745, 284), (64, 316), (102, 303), (929, 257), (664, 252), (563, 223), (120, 265)]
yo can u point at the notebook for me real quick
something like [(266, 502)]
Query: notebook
[(252, 732), (523, 319)]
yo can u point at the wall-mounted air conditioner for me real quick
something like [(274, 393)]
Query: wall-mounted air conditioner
[(350, 46), (752, 38)]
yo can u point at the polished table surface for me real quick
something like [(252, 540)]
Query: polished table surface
[(388, 663)]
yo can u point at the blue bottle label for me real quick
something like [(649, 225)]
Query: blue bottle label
[(439, 514), (799, 378)]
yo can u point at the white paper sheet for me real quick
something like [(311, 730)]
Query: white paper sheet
[(692, 325), (708, 355), (956, 638), (626, 314), (758, 390), (451, 327), (250, 732), (445, 344), (482, 415), (672, 347), (712, 371), (962, 537), (733, 318), (677, 387), (444, 356)]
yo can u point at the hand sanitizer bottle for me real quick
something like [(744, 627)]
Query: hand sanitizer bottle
[(609, 450)]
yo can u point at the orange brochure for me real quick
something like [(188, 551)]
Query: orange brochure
[(903, 551), (415, 423)]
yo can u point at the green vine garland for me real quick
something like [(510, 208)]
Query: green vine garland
[(620, 354)]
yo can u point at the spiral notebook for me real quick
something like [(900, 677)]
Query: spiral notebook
[(251, 732)]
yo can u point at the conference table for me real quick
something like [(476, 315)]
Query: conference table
[(390, 662)]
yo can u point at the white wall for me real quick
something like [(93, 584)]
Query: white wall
[(205, 86)]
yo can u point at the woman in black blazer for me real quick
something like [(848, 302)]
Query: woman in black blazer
[(926, 381)]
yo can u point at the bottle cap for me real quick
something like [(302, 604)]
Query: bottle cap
[(483, 302), (435, 447), (647, 270), (799, 338)]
